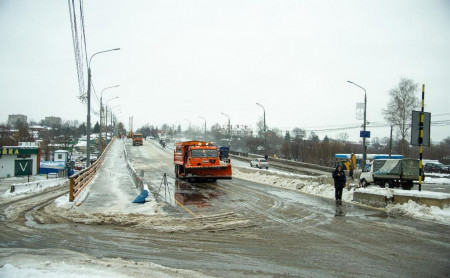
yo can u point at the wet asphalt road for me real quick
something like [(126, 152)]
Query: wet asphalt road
[(237, 228), (306, 235)]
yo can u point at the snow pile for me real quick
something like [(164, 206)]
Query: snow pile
[(33, 187), (306, 184), (53, 263), (437, 178), (423, 212), (422, 194)]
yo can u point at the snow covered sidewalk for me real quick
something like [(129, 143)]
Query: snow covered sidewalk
[(112, 190)]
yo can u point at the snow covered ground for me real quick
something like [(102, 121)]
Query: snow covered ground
[(48, 263), (25, 188), (316, 186)]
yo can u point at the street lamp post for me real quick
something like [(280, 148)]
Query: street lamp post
[(114, 119), (205, 125), (88, 120), (101, 114), (363, 163), (106, 106), (265, 132), (229, 129), (190, 133)]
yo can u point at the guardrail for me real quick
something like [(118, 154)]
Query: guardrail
[(80, 180), (283, 162), (137, 179)]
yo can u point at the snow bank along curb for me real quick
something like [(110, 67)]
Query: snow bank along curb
[(35, 186), (323, 179), (288, 164), (381, 197)]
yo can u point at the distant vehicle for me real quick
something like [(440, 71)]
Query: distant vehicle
[(391, 173), (138, 139), (224, 153), (433, 167), (259, 163)]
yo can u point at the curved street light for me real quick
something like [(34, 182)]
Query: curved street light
[(88, 120), (363, 163), (265, 132), (229, 129), (101, 114), (190, 131), (205, 125), (106, 106)]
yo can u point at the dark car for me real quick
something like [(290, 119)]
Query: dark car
[(436, 168)]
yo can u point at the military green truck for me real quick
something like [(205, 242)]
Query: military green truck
[(391, 173)]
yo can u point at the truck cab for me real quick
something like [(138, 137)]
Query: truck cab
[(138, 139), (200, 160)]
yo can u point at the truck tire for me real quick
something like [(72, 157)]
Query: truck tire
[(387, 184), (407, 185), (363, 183)]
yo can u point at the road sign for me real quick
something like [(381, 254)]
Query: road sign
[(415, 129), (364, 134)]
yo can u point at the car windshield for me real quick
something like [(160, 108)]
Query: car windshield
[(263, 160), (204, 153)]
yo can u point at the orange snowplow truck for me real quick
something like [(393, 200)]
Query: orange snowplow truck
[(199, 160), (138, 139)]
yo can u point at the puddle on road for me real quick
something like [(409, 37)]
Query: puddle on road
[(195, 194)]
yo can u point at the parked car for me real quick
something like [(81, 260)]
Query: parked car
[(436, 168), (259, 163)]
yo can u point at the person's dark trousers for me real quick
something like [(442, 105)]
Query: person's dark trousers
[(338, 193)]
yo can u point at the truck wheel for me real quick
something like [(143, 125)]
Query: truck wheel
[(407, 186), (387, 184), (363, 183)]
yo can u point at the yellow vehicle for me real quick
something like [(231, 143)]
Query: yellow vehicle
[(355, 159), (345, 160)]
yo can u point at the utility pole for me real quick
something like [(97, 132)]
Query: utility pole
[(88, 124), (363, 163), (265, 131), (229, 130), (205, 126)]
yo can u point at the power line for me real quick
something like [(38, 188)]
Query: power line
[(78, 60)]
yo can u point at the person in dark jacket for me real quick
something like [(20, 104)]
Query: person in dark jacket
[(339, 182)]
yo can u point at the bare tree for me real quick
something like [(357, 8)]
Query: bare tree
[(402, 101), (343, 137), (299, 133)]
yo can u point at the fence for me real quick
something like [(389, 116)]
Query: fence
[(137, 179), (80, 180), (283, 162)]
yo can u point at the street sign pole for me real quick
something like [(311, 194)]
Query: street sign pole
[(421, 138)]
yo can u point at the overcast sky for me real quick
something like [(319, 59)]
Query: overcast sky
[(183, 59)]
